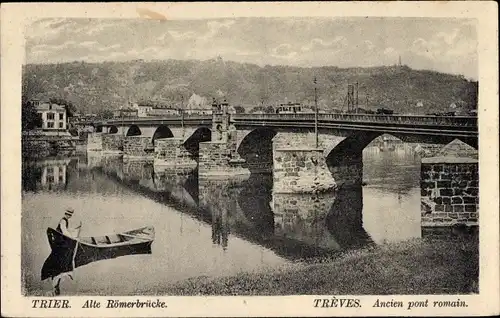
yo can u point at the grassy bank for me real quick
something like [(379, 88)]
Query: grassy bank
[(412, 267)]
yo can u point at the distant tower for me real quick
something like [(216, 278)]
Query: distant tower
[(350, 98), (399, 61)]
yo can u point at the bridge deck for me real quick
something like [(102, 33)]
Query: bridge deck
[(434, 125)]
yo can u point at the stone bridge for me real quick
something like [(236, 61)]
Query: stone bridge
[(225, 144)]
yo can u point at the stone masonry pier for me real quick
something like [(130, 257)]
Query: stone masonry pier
[(450, 191), (301, 170), (94, 142), (137, 147), (216, 160), (170, 153), (112, 143)]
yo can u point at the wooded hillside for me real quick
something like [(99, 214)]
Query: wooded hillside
[(93, 87)]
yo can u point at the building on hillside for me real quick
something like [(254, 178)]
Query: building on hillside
[(197, 102), (54, 116), (142, 110), (163, 112), (190, 111), (125, 113), (204, 111)]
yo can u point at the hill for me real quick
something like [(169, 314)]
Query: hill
[(93, 87)]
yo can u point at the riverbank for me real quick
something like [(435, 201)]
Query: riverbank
[(420, 266)]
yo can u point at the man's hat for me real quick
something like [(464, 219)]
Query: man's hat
[(69, 211)]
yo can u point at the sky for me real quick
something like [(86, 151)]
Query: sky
[(447, 45)]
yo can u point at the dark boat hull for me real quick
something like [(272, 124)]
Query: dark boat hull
[(86, 254), (63, 248)]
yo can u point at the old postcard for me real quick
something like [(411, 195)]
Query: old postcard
[(250, 159)]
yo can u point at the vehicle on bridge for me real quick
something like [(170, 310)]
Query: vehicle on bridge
[(292, 108), (385, 111)]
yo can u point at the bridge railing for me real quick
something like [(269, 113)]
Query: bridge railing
[(454, 121), (187, 117), (366, 118)]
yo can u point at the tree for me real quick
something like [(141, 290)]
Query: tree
[(469, 95), (29, 117), (239, 109), (70, 108), (269, 109), (105, 114)]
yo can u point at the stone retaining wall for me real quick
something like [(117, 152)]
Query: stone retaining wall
[(449, 191)]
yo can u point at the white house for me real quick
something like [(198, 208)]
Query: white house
[(54, 116), (142, 110)]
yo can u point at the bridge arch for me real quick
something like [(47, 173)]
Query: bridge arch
[(133, 130), (192, 143), (349, 149), (98, 128), (112, 130), (345, 159), (257, 149), (162, 132)]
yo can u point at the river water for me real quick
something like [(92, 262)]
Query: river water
[(208, 227)]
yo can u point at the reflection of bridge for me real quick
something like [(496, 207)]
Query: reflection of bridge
[(282, 143), (248, 210)]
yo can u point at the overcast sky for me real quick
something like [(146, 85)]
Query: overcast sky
[(446, 45)]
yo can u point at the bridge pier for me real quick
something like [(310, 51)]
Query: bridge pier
[(301, 170), (298, 165), (112, 143), (171, 154), (217, 159), (137, 147), (94, 142)]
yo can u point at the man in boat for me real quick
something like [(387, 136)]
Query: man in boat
[(64, 228)]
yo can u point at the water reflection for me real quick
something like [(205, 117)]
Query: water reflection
[(218, 227), (292, 225), (398, 169), (47, 175), (303, 218)]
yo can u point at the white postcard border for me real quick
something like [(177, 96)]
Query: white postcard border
[(15, 16)]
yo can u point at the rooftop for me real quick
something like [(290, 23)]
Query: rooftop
[(50, 106)]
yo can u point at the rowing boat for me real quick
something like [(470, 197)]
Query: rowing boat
[(86, 250)]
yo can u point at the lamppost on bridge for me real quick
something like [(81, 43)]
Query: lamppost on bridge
[(121, 115), (315, 112), (182, 115)]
